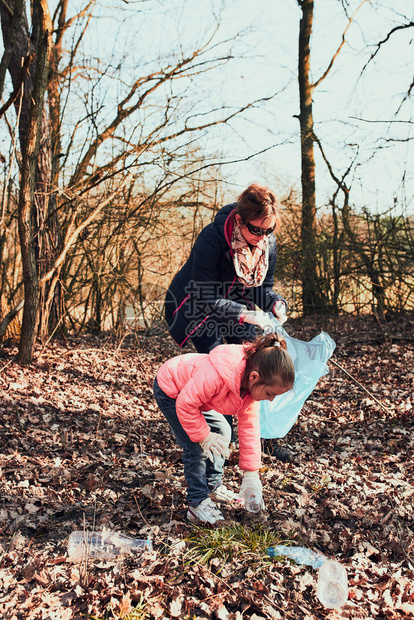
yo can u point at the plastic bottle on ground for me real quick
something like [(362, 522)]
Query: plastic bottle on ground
[(332, 589), (301, 555), (104, 545)]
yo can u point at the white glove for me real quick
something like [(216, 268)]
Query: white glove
[(215, 445), (251, 491), (279, 310), (261, 319)]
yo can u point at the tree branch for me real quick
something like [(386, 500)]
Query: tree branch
[(335, 56), (22, 75), (387, 38), (7, 8), (340, 182), (72, 235), (9, 317)]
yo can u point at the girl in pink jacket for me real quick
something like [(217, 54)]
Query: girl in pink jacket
[(194, 391)]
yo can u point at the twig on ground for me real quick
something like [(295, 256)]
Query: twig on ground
[(8, 363), (360, 385)]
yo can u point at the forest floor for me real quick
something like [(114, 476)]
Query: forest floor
[(83, 445)]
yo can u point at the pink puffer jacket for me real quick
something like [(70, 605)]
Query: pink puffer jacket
[(201, 382)]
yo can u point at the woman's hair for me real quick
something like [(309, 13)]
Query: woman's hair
[(268, 355), (257, 202)]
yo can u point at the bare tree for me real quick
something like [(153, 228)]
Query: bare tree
[(310, 296), (308, 229), (153, 126), (30, 130)]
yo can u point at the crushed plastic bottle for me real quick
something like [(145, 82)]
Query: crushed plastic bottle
[(332, 589), (105, 545), (301, 555)]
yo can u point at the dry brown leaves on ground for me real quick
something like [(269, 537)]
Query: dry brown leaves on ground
[(83, 445)]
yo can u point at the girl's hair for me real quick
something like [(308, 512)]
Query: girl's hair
[(257, 202), (268, 355)]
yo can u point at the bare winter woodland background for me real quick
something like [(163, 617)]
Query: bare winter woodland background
[(124, 127)]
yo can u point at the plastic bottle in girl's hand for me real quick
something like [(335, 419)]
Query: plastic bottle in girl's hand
[(252, 501), (251, 492)]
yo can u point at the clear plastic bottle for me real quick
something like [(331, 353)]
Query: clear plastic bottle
[(332, 589), (301, 555), (106, 545), (252, 500)]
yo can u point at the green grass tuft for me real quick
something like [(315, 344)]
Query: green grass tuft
[(230, 542)]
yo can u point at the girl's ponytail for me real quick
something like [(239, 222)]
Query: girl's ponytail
[(270, 340), (269, 356)]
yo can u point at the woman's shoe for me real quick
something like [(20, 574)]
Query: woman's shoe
[(271, 449), (282, 455)]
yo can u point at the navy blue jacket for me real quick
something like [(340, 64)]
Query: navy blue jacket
[(207, 285)]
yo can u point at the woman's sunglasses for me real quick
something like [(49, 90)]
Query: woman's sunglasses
[(259, 232)]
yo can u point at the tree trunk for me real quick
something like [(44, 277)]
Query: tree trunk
[(34, 137), (45, 235), (308, 229), (42, 30), (51, 290)]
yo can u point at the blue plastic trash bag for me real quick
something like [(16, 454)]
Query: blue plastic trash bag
[(309, 358)]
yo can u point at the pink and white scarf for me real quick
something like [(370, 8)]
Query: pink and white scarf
[(250, 263)]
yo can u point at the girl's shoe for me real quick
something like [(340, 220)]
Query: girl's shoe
[(223, 495), (206, 512)]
